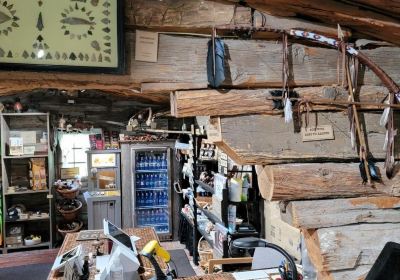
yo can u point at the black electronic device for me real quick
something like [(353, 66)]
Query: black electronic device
[(245, 228), (387, 265)]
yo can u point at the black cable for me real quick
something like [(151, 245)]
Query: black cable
[(176, 268)]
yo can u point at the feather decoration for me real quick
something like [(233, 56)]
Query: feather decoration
[(288, 110), (385, 115), (385, 144)]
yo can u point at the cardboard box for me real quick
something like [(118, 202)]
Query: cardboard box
[(279, 232)]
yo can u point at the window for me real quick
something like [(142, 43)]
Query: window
[(73, 151)]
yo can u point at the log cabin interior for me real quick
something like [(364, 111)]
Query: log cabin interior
[(191, 139)]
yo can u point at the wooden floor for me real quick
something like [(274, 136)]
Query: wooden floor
[(28, 257)]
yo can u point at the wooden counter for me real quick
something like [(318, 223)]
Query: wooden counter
[(145, 234)]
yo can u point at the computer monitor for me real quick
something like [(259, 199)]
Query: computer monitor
[(387, 265), (72, 254), (118, 236), (123, 247)]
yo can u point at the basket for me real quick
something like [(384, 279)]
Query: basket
[(64, 232), (71, 194), (205, 251), (72, 214)]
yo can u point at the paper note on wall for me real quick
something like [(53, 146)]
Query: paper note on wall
[(146, 46)]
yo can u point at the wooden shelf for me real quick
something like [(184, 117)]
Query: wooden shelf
[(25, 156), (43, 244), (26, 192), (29, 220), (151, 171), (205, 186), (25, 114)]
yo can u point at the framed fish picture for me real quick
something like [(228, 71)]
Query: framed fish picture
[(62, 35)]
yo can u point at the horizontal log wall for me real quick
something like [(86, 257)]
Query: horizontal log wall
[(321, 180), (233, 102), (347, 247), (260, 139), (310, 214)]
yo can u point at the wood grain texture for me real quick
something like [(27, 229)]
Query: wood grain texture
[(321, 180), (338, 212), (260, 139), (183, 15), (347, 247), (182, 65), (365, 21), (248, 63), (288, 23), (233, 102)]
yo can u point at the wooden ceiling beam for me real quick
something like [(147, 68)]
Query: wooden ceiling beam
[(364, 21)]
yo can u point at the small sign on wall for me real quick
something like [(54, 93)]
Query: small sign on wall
[(146, 46), (317, 133)]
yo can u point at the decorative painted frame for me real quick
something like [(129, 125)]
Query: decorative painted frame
[(64, 35)]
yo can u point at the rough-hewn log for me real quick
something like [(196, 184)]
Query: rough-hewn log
[(183, 15), (248, 63), (182, 65), (347, 247), (320, 180), (260, 139), (240, 102), (338, 212), (314, 252), (288, 23), (364, 21), (358, 273)]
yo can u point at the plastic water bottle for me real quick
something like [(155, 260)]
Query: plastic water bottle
[(139, 198), (151, 198), (151, 178), (152, 217), (139, 217), (147, 181), (158, 162), (116, 270), (158, 216), (145, 163), (142, 181), (165, 198), (164, 163)]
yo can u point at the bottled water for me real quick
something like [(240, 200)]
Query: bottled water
[(147, 181), (152, 217), (139, 217), (155, 178), (164, 163), (142, 181), (151, 198), (148, 218), (165, 198), (158, 162), (139, 199), (146, 163)]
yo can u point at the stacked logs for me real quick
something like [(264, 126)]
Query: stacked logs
[(345, 223)]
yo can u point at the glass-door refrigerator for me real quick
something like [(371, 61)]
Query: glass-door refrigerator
[(151, 182)]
